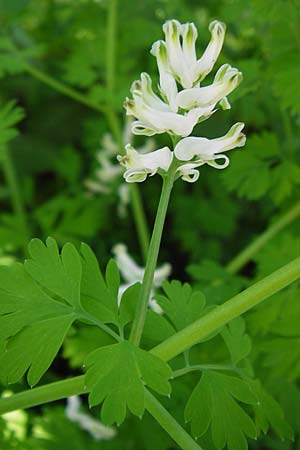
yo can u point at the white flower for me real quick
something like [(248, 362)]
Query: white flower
[(87, 422), (177, 111), (155, 116), (108, 175), (132, 273), (138, 166), (180, 45), (226, 80), (201, 151)]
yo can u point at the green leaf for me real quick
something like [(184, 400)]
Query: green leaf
[(282, 355), (216, 283), (41, 299), (249, 174), (59, 274), (99, 296), (83, 340), (128, 304), (236, 340), (157, 329), (268, 413), (214, 404), (10, 115), (116, 376), (181, 305), (36, 313)]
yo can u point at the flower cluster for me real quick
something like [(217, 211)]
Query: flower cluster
[(183, 102)]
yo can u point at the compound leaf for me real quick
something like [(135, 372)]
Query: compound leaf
[(268, 413), (181, 304), (39, 302), (214, 404), (59, 274), (99, 296), (116, 375), (236, 340)]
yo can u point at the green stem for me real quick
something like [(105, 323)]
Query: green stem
[(75, 386), (43, 394), (136, 203), (221, 315), (141, 310), (201, 367), (62, 88), (101, 325), (247, 254), (140, 220), (16, 197), (169, 424), (111, 45)]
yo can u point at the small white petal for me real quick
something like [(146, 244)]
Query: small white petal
[(206, 63), (199, 147), (168, 86), (139, 166), (173, 33), (216, 165), (188, 172), (222, 86), (189, 37)]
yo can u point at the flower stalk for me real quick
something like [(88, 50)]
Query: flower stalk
[(142, 305)]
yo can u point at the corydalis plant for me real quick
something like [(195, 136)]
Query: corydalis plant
[(183, 103), (52, 290)]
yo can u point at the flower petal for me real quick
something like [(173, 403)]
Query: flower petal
[(139, 166), (178, 64), (188, 172), (168, 86), (204, 148), (226, 80), (205, 64)]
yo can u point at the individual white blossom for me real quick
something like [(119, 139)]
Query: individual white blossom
[(226, 80), (182, 103), (87, 422), (180, 42), (133, 273), (155, 116), (138, 166), (201, 151), (108, 174)]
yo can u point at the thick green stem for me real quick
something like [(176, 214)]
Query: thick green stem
[(169, 424), (75, 386), (221, 315), (247, 254), (141, 310), (44, 394), (16, 197)]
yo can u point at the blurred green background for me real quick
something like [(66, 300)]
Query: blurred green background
[(69, 77)]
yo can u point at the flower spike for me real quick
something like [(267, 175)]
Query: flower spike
[(181, 103)]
